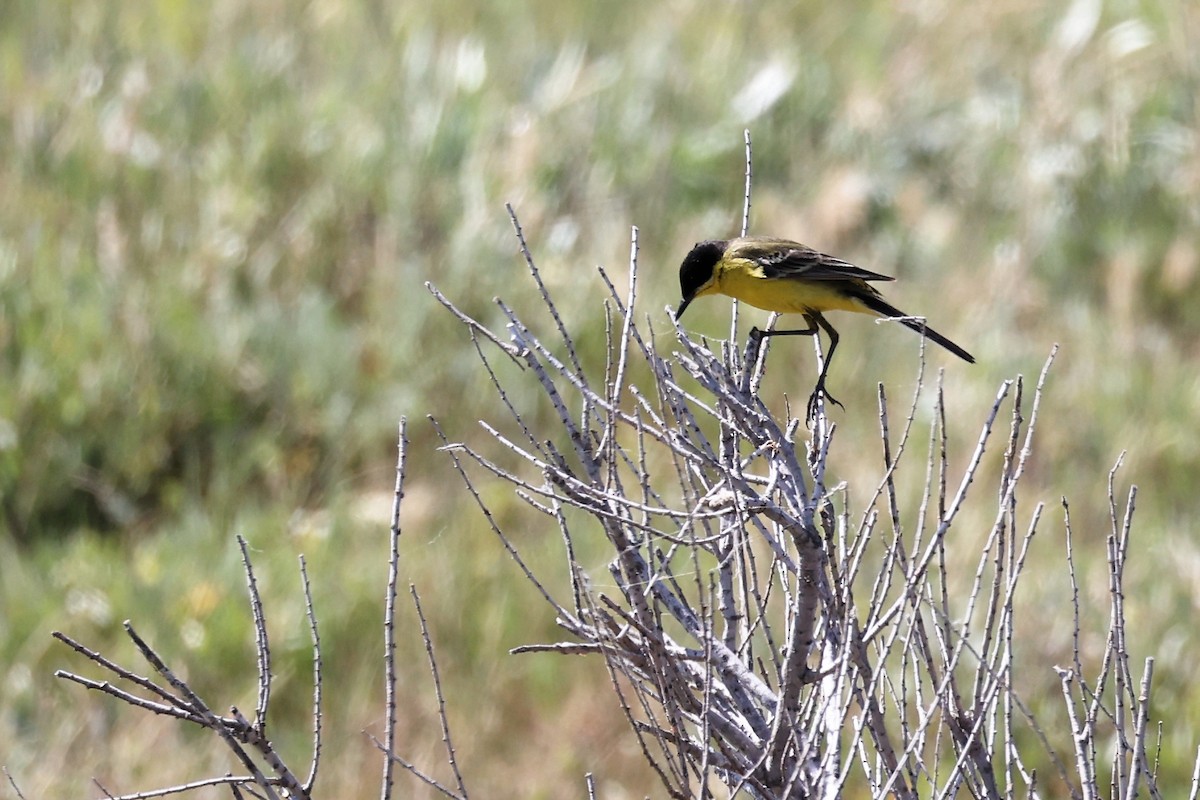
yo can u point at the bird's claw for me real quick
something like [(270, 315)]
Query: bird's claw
[(814, 401)]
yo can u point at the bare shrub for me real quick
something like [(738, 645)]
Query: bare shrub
[(760, 639)]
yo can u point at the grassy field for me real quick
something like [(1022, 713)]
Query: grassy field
[(216, 221)]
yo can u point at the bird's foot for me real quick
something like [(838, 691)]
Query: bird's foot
[(814, 400)]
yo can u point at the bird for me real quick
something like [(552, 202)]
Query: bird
[(791, 278)]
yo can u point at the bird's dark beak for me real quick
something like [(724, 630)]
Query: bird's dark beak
[(682, 307)]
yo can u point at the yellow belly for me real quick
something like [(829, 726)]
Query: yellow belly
[(790, 296)]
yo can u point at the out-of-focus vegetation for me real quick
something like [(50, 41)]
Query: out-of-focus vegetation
[(215, 225)]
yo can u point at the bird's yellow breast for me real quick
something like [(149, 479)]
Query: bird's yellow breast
[(744, 281)]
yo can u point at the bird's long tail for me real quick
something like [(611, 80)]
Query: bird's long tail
[(883, 309)]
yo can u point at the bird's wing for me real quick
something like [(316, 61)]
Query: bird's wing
[(799, 261)]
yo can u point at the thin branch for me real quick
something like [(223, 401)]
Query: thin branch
[(389, 614), (262, 647), (12, 783), (437, 689), (318, 682)]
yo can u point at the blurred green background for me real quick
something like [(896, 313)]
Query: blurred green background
[(215, 225)]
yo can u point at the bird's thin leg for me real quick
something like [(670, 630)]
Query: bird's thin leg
[(810, 331), (816, 319), (757, 334), (816, 323)]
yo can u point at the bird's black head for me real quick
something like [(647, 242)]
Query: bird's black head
[(696, 271)]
